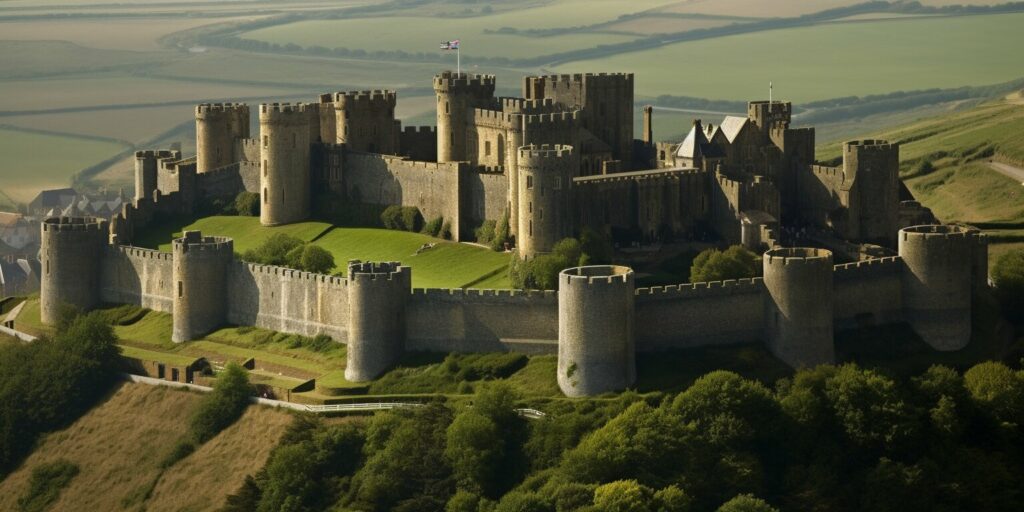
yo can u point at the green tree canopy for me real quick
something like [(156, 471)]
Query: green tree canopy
[(746, 503), (736, 262)]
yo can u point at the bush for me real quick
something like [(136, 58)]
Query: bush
[(247, 204), (391, 218), (314, 258), (736, 262), (473, 367), (1008, 276), (446, 230), (746, 503), (402, 218), (222, 406), (485, 233), (502, 234), (274, 250), (181, 450), (433, 228), (47, 481)]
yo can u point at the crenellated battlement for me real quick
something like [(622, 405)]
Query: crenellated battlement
[(701, 290), (379, 98), (543, 151), (874, 266), (158, 154), (194, 242), (674, 173), (214, 109), (827, 172), (597, 275), (798, 256), (869, 145), (938, 232), (291, 273), (490, 169), (448, 80), (74, 224), (462, 294), (552, 118), (376, 271), (140, 253), (527, 106), (271, 109), (410, 130), (495, 118)]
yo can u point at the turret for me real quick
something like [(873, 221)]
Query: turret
[(545, 197), (938, 262), (218, 127), (769, 115), (200, 284), (146, 165), (284, 163), (457, 93), (798, 305), (365, 121), (873, 166), (72, 248), (596, 347), (378, 293)]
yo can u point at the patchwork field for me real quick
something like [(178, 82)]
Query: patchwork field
[(30, 161), (829, 61), (119, 444), (446, 265), (134, 125)]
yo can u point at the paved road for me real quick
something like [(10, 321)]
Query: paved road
[(1014, 173)]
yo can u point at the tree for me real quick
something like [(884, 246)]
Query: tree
[(998, 392), (623, 496), (475, 449), (315, 259), (1008, 276), (274, 250), (736, 262), (222, 406), (728, 409), (672, 499), (869, 408), (247, 204), (746, 503)]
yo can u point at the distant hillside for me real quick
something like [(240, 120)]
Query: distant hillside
[(946, 164), (118, 447)]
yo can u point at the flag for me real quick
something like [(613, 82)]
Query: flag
[(450, 45)]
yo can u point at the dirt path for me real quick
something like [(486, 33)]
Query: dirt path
[(1014, 173)]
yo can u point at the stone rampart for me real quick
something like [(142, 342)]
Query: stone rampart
[(699, 314), (142, 277), (868, 292), (458, 320), (287, 300)]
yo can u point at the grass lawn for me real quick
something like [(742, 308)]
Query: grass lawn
[(971, 193), (152, 355), (446, 265), (30, 162), (831, 60), (246, 232)]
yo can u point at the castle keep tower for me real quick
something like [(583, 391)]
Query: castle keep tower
[(769, 115), (873, 166), (457, 94), (146, 164), (798, 305), (284, 163), (218, 127), (365, 121), (596, 348), (200, 284), (71, 251), (938, 264), (545, 206), (378, 293)]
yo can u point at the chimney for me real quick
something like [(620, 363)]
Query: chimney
[(648, 125)]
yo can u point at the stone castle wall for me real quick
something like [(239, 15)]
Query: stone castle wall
[(287, 300), (142, 277)]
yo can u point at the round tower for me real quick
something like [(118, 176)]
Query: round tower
[(938, 263), (545, 197), (284, 161), (873, 165), (798, 305), (200, 284), (218, 127), (457, 93), (596, 347), (377, 294), (71, 250)]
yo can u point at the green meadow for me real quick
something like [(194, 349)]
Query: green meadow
[(830, 60), (30, 161)]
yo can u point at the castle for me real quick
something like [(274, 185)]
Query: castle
[(557, 160)]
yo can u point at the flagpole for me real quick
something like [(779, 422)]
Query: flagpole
[(769, 92), (458, 58)]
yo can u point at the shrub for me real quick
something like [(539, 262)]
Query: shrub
[(181, 450), (446, 230), (247, 204), (47, 481), (316, 259), (433, 228), (392, 217), (402, 218), (736, 262), (1008, 276), (274, 250), (623, 496), (502, 234), (222, 406), (485, 233)]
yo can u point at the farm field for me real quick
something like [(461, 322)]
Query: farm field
[(134, 125), (119, 444), (446, 265), (30, 161), (109, 34), (829, 61), (416, 35)]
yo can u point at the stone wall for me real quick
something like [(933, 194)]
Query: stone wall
[(484, 196), (287, 300), (143, 277), (440, 320), (868, 292), (699, 314)]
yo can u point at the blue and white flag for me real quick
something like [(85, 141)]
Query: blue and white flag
[(450, 45)]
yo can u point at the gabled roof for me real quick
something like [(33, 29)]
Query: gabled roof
[(50, 198), (693, 143), (731, 126)]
